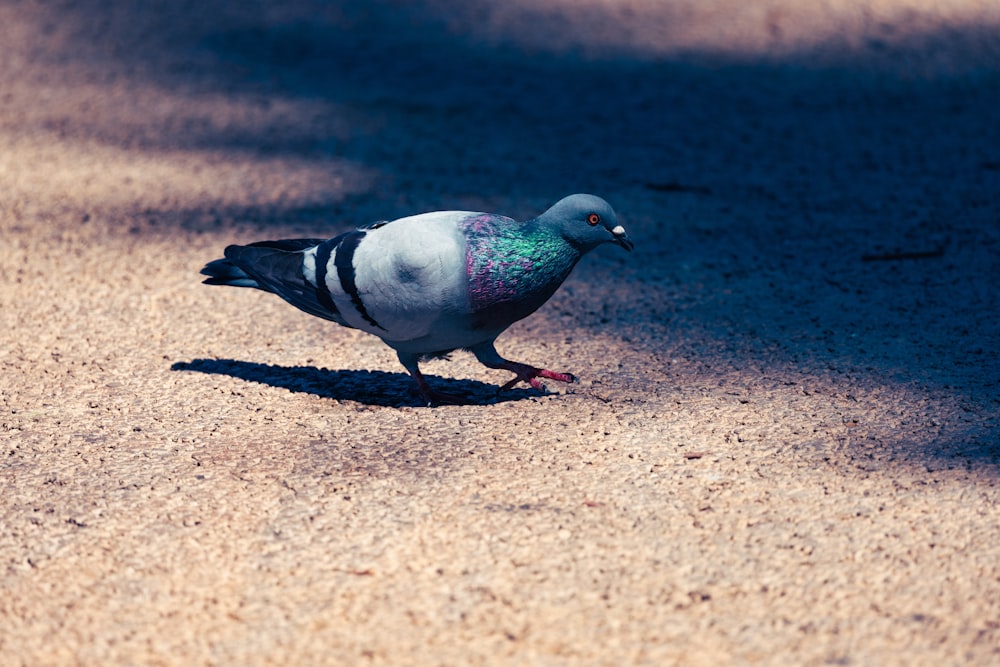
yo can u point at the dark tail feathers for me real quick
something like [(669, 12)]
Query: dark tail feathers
[(224, 272), (274, 266)]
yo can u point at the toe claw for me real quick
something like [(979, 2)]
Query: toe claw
[(508, 385), (531, 376), (440, 398)]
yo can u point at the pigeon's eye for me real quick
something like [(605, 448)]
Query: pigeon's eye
[(593, 219)]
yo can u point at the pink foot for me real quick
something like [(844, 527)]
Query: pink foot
[(429, 396), (530, 374)]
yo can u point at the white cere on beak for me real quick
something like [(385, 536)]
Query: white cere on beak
[(618, 230)]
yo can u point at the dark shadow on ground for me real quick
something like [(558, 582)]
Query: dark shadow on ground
[(367, 387)]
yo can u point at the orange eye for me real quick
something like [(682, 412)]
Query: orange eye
[(593, 218)]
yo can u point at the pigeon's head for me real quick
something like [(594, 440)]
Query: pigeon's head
[(586, 221)]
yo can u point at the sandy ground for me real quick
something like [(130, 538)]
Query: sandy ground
[(784, 448)]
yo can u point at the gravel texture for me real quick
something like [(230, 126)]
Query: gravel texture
[(784, 447)]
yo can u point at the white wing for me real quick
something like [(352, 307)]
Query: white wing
[(408, 275)]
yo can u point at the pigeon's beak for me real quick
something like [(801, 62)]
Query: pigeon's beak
[(622, 239)]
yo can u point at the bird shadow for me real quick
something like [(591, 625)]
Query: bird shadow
[(361, 386)]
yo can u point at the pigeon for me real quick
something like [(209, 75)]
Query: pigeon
[(432, 283)]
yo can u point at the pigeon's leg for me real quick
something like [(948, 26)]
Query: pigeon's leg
[(488, 356), (409, 362)]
